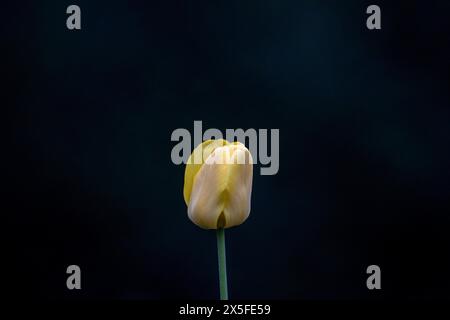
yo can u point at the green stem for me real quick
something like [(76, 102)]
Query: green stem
[(222, 264)]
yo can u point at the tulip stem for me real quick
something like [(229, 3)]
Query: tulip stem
[(222, 264)]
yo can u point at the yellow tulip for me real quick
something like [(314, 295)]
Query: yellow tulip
[(218, 184)]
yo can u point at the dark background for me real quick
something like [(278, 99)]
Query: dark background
[(364, 123)]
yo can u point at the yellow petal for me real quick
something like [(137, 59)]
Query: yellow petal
[(195, 161)]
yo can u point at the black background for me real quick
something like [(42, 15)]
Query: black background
[(364, 123)]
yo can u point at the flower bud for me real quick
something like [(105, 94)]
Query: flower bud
[(218, 184)]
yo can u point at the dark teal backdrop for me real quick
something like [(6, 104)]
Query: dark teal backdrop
[(364, 147)]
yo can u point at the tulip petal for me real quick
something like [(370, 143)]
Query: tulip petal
[(195, 162)]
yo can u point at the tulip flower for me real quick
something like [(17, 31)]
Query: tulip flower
[(217, 191)]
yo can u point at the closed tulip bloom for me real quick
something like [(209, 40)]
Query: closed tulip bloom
[(218, 184)]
